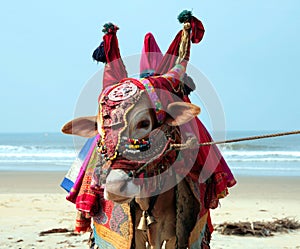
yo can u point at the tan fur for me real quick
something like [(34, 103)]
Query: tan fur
[(143, 203), (164, 228), (83, 126), (181, 112)]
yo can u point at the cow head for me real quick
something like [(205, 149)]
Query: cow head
[(133, 132)]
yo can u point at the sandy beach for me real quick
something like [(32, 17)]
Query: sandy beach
[(32, 202), (259, 199)]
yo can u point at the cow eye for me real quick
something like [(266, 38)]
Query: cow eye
[(143, 124)]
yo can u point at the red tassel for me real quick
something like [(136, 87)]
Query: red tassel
[(197, 30)]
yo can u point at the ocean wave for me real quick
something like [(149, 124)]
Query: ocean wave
[(245, 146), (262, 156), (36, 151), (259, 168), (25, 148), (267, 159), (261, 153), (37, 161), (39, 154)]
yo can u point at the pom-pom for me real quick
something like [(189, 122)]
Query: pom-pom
[(184, 16), (99, 53), (109, 27)]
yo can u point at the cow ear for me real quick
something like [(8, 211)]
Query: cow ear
[(84, 127), (179, 113)]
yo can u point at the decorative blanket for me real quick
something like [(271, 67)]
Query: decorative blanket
[(113, 226)]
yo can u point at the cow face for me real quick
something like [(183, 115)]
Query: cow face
[(125, 112)]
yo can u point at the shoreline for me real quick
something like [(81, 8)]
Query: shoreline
[(28, 181), (31, 181)]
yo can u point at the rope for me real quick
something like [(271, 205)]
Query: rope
[(185, 37), (191, 142)]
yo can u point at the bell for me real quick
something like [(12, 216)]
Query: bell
[(143, 222), (150, 220)]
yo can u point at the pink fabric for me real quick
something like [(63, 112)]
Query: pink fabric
[(151, 54), (170, 57), (115, 69)]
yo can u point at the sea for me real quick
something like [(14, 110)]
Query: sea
[(55, 152)]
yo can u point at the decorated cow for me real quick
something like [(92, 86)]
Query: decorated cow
[(144, 180)]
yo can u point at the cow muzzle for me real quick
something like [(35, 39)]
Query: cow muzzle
[(119, 187)]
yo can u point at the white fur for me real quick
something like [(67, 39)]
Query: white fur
[(115, 182)]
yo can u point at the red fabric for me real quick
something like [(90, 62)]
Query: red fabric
[(169, 59), (126, 165), (151, 54), (83, 223), (211, 168), (197, 30), (115, 69), (210, 165), (209, 223), (86, 200)]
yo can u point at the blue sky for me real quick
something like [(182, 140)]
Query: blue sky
[(250, 53)]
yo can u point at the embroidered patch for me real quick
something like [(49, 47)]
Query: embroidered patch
[(122, 91)]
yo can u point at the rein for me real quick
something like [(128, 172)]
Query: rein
[(193, 143)]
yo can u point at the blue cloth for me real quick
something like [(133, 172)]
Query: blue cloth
[(72, 174)]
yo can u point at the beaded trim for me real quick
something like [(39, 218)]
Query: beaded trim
[(160, 114), (174, 75), (135, 145)]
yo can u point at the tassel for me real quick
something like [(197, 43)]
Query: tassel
[(109, 27), (99, 53), (185, 16), (184, 43)]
